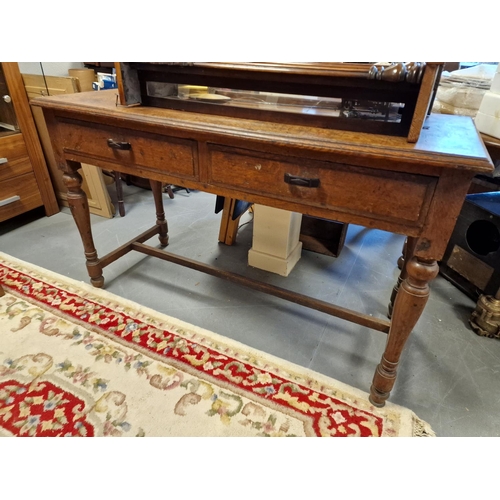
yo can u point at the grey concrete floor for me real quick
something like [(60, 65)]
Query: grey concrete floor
[(448, 376)]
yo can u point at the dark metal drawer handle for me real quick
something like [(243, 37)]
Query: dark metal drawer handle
[(301, 181), (119, 145)]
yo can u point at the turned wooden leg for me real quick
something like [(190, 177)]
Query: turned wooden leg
[(119, 193), (408, 249), (408, 306), (77, 200), (402, 257), (168, 189), (157, 189)]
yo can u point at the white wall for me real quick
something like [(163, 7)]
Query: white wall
[(49, 68)]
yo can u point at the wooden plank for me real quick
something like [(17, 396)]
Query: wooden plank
[(228, 226), (423, 101), (37, 85)]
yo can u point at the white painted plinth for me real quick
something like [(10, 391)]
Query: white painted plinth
[(275, 246)]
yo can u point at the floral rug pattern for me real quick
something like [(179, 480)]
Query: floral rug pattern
[(76, 361)]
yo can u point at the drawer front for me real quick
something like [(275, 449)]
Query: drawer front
[(24, 187), (391, 196), (13, 168), (12, 147), (14, 158), (154, 151)]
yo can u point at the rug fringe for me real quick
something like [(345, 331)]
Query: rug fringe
[(422, 428)]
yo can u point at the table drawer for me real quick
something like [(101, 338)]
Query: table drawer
[(399, 197), (23, 186), (144, 149)]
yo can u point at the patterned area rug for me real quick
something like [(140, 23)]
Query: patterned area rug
[(78, 361)]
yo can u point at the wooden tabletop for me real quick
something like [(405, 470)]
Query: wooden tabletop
[(446, 140)]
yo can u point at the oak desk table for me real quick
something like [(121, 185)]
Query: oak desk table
[(373, 180)]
